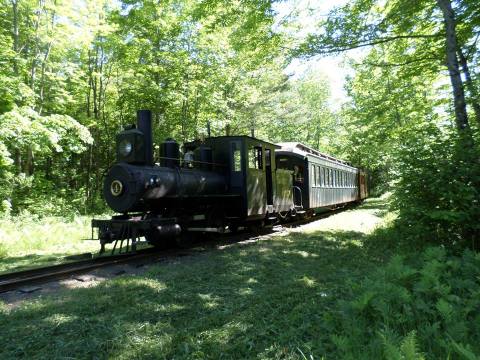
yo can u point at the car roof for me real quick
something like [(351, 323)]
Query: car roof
[(306, 151)]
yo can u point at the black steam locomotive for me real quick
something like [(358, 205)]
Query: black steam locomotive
[(217, 185)]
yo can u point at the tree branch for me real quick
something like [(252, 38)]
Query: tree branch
[(372, 42), (387, 64)]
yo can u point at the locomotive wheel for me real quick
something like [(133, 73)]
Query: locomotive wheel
[(256, 226), (233, 227), (185, 239), (216, 218), (161, 243)]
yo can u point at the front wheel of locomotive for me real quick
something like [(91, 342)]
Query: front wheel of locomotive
[(233, 227), (186, 239), (155, 239)]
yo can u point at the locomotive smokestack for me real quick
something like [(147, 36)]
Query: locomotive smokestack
[(144, 124)]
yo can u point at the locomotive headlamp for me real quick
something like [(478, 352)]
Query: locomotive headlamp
[(131, 147), (125, 147)]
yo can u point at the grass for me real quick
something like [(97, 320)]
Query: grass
[(265, 300), (26, 243), (322, 293)]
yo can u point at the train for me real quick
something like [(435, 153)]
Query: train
[(216, 185)]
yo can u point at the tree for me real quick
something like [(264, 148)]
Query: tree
[(366, 23)]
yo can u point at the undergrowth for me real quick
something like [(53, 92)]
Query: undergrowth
[(420, 306), (29, 241)]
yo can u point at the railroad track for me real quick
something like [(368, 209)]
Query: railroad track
[(17, 280)]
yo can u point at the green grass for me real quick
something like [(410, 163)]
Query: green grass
[(324, 293), (27, 243)]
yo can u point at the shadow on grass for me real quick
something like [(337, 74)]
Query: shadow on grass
[(380, 206), (271, 299), (376, 204)]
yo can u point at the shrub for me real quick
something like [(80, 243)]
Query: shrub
[(5, 208), (427, 306), (437, 194)]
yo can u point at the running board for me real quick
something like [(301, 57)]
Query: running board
[(207, 229)]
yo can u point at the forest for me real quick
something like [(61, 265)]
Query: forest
[(74, 73)]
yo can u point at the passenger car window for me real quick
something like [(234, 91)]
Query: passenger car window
[(282, 163)]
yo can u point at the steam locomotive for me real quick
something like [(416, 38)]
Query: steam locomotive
[(217, 185)]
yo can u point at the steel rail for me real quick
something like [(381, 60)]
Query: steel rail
[(15, 280)]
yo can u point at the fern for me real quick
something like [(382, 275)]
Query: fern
[(391, 350), (445, 309), (409, 347), (464, 351), (406, 350), (436, 314)]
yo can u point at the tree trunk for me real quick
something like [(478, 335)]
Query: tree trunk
[(18, 161), (48, 174), (15, 35), (36, 45), (44, 63), (460, 106), (474, 100), (42, 78), (28, 165), (89, 200)]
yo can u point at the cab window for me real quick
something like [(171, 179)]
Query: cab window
[(255, 160), (236, 157)]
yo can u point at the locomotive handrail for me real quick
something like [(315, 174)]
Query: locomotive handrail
[(192, 161)]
